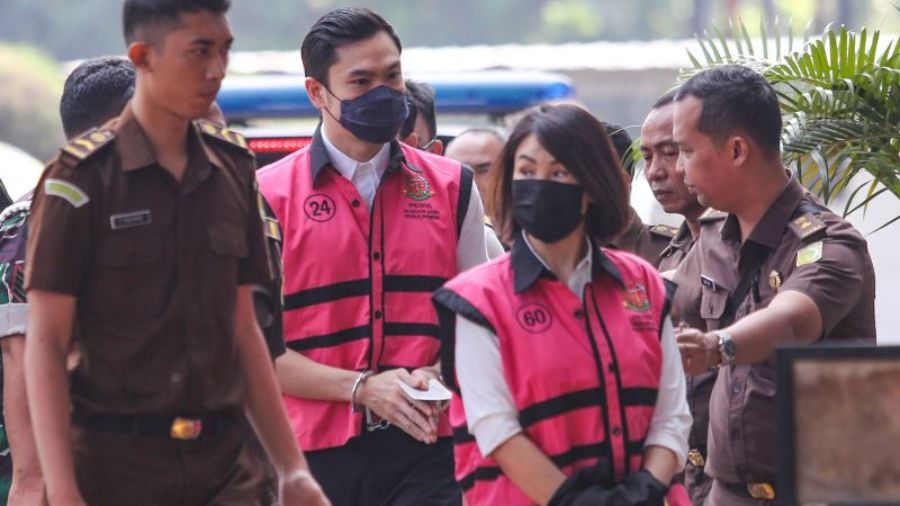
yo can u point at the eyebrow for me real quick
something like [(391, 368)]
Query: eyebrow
[(532, 160), (361, 72), (200, 41)]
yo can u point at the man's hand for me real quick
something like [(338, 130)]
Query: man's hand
[(382, 395), (699, 350), (301, 489)]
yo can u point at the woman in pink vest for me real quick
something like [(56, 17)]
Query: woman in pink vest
[(572, 391)]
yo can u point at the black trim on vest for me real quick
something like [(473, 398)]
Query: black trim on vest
[(327, 293), (615, 369), (412, 283), (638, 396), (490, 473), (600, 376), (333, 339), (412, 329), (466, 178), (634, 448), (560, 405), (448, 304), (461, 435)]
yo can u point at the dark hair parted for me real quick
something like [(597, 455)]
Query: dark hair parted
[(95, 92), (736, 99), (138, 15), (420, 97), (579, 142), (339, 28)]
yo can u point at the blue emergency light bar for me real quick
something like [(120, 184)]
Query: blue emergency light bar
[(490, 92)]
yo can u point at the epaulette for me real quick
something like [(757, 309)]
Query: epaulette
[(87, 144), (712, 215), (664, 230), (806, 226), (230, 137)]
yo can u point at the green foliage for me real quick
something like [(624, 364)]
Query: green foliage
[(840, 96), (29, 101)]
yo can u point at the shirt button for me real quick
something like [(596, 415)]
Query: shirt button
[(378, 315), (613, 369), (735, 388), (355, 203), (617, 431), (376, 256), (579, 314)]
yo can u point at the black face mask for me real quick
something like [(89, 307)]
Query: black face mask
[(547, 210), (375, 116)]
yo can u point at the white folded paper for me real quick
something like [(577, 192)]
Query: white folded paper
[(436, 391)]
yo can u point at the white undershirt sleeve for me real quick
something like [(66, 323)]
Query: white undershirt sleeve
[(671, 422), (470, 250), (491, 414)]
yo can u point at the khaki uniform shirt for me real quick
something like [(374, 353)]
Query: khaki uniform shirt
[(647, 242), (155, 265), (815, 253)]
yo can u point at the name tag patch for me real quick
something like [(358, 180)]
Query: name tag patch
[(130, 219)]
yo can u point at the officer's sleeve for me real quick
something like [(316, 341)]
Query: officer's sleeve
[(13, 306), (834, 280), (60, 236), (254, 268)]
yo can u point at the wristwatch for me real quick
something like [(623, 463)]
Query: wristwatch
[(727, 349)]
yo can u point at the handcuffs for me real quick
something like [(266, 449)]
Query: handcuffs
[(373, 421)]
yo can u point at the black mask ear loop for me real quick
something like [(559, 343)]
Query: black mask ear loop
[(338, 99)]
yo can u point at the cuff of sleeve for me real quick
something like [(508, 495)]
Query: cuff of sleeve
[(492, 431), (13, 319), (678, 445)]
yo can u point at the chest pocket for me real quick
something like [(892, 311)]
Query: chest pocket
[(128, 250), (712, 303), (227, 239)]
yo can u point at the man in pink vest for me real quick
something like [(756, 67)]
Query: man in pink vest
[(371, 228)]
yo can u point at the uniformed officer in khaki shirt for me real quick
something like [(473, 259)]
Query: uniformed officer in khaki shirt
[(779, 268), (145, 243), (660, 155)]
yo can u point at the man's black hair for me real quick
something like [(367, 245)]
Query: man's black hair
[(339, 28), (666, 99), (138, 14), (420, 98), (736, 99), (95, 92), (621, 142)]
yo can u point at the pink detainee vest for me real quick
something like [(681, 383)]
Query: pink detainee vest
[(584, 376), (357, 283)]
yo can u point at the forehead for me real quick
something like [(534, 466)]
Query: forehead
[(477, 143), (531, 147), (658, 121), (197, 26), (375, 53)]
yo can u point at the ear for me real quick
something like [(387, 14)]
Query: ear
[(740, 150), (316, 92), (410, 140), (437, 148), (139, 54)]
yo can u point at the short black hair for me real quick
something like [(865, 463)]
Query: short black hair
[(95, 92), (735, 98), (420, 98), (666, 99), (339, 28), (579, 142), (622, 142), (138, 14)]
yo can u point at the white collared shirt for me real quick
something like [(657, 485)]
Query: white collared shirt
[(491, 414), (366, 176)]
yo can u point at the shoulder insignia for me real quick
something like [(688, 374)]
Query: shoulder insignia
[(82, 147), (66, 191), (806, 226), (664, 230), (809, 254), (713, 215), (223, 134)]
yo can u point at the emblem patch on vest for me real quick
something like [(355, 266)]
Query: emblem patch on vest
[(319, 207), (534, 318), (417, 187), (635, 299)]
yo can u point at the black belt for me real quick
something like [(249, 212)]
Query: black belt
[(756, 490), (176, 427)]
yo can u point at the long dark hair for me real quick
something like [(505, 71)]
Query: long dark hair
[(578, 141)]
